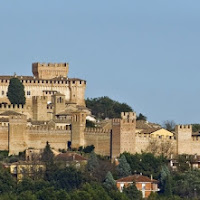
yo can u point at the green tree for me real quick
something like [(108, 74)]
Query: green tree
[(93, 163), (187, 184), (68, 178), (7, 183), (132, 193), (104, 107), (16, 93), (27, 195), (145, 163), (166, 181), (47, 155), (123, 169), (109, 182), (141, 117)]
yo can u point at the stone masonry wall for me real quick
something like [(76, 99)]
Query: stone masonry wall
[(100, 138)]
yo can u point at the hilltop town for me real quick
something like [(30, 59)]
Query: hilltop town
[(55, 111), (47, 138)]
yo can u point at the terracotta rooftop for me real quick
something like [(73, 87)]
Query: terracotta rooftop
[(9, 112), (149, 130), (69, 156), (136, 178)]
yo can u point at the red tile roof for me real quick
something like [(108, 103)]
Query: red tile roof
[(69, 156), (136, 178)]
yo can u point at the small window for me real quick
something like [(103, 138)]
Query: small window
[(2, 92), (28, 93)]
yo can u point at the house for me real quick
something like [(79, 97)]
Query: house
[(23, 169), (71, 159), (143, 183)]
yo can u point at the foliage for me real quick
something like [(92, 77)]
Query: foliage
[(93, 163), (16, 93), (123, 169), (109, 182), (104, 107), (195, 127), (7, 183), (169, 125), (3, 155), (67, 179), (132, 193), (90, 124), (187, 184), (141, 117), (47, 155), (183, 162), (145, 163), (89, 149)]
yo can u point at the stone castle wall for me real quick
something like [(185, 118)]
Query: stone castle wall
[(100, 138), (38, 136), (3, 137), (73, 89), (24, 109), (146, 143)]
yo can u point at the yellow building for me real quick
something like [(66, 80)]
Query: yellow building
[(162, 133), (23, 169)]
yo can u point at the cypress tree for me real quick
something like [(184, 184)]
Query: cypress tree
[(16, 94)]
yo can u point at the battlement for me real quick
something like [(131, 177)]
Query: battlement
[(51, 64), (50, 70), (115, 120), (39, 98), (46, 129), (128, 115), (183, 128), (96, 130), (11, 106), (4, 125), (158, 137)]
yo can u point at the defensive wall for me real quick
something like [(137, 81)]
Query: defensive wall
[(148, 142), (100, 138), (4, 137), (23, 109)]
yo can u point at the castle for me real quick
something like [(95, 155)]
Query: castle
[(55, 111)]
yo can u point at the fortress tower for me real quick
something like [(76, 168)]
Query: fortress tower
[(17, 137), (78, 127), (183, 137), (50, 70), (58, 100), (123, 134), (39, 106)]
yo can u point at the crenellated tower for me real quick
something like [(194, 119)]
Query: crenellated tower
[(58, 101), (123, 134), (50, 70), (78, 127), (17, 136), (184, 138), (39, 106)]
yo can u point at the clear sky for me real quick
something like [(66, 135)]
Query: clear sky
[(144, 53)]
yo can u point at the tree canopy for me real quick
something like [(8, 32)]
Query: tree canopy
[(16, 93), (104, 107)]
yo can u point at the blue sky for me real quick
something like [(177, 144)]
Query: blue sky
[(144, 53)]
